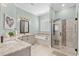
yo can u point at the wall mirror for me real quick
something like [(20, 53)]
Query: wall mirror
[(24, 26)]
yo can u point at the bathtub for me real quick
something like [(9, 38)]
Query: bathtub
[(43, 38)]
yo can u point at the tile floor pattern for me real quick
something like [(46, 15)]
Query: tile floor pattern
[(41, 50)]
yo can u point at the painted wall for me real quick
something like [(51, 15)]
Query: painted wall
[(9, 10), (0, 20), (68, 13), (33, 23), (52, 13), (15, 12)]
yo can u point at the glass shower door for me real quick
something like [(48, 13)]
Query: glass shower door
[(57, 34), (71, 36), (65, 36)]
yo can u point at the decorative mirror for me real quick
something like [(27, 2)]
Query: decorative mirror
[(24, 26)]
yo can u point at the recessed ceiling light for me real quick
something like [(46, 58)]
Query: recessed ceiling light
[(63, 5)]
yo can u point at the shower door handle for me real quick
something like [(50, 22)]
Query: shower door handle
[(60, 33)]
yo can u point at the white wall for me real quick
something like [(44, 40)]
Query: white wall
[(33, 23)]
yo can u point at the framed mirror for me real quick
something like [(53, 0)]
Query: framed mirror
[(24, 26)]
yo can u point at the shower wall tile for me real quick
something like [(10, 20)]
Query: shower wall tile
[(63, 32), (71, 35)]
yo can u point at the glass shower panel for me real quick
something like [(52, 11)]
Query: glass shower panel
[(57, 34), (71, 36), (65, 35)]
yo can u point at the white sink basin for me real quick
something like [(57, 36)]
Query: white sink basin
[(10, 42)]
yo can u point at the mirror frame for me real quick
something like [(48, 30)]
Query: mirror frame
[(24, 26)]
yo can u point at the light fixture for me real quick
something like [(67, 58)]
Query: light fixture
[(24, 18), (63, 5)]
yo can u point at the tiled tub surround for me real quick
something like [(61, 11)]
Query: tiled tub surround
[(28, 37), (14, 47), (43, 38)]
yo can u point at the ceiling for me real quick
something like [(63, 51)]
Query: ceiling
[(41, 8), (34, 8), (60, 6)]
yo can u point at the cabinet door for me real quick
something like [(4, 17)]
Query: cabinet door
[(24, 52)]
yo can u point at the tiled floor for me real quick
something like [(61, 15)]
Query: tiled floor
[(42, 50)]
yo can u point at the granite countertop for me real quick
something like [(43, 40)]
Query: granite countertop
[(11, 45), (26, 34)]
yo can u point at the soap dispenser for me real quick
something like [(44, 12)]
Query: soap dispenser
[(2, 39)]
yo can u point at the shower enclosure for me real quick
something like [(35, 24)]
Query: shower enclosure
[(65, 35), (64, 28)]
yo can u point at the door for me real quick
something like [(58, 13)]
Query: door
[(71, 36), (57, 35), (65, 36)]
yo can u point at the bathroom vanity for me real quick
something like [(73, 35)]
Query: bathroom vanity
[(28, 37), (14, 47)]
